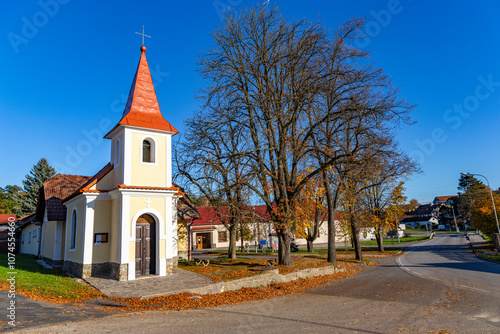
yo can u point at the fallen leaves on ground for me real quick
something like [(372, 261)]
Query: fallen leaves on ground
[(84, 294), (224, 269), (183, 301), (226, 272)]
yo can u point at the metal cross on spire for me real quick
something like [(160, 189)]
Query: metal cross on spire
[(138, 33)]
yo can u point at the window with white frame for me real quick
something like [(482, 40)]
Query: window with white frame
[(72, 243), (148, 150), (116, 160)]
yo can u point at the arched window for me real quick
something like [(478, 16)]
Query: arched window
[(146, 151), (116, 160), (72, 243)]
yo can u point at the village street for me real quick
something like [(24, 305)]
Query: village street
[(436, 285)]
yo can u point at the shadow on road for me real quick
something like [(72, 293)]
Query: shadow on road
[(300, 321)]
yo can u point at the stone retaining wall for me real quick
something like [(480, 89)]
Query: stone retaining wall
[(265, 279)]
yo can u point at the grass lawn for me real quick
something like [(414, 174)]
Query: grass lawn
[(491, 257), (38, 283), (395, 241)]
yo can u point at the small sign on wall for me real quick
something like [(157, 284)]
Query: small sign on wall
[(100, 238)]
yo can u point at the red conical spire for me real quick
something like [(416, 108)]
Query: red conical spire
[(142, 107)]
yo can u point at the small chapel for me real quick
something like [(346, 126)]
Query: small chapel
[(128, 220)]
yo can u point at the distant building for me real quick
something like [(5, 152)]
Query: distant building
[(4, 224), (209, 231), (427, 210), (446, 200), (415, 221), (29, 235)]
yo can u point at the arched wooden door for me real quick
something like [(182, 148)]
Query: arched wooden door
[(145, 246)]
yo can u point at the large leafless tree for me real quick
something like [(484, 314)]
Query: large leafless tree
[(296, 96)]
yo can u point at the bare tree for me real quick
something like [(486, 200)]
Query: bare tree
[(297, 95), (211, 158)]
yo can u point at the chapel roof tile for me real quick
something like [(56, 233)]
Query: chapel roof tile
[(142, 108)]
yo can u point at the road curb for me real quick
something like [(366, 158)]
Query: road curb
[(266, 279), (475, 253)]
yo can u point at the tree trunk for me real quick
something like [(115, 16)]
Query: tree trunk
[(232, 242), (310, 246), (241, 238), (331, 202), (285, 241), (380, 239), (355, 237)]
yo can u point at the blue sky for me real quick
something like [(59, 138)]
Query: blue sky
[(68, 65)]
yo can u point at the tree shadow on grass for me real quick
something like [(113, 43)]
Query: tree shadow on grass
[(28, 263)]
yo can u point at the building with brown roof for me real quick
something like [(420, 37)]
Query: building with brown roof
[(446, 200), (129, 219)]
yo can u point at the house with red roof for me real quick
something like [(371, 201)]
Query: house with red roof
[(5, 220), (129, 219), (210, 232), (446, 200)]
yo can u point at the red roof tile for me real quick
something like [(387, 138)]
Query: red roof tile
[(92, 181), (53, 192), (4, 218), (209, 216), (445, 198), (142, 108), (202, 228)]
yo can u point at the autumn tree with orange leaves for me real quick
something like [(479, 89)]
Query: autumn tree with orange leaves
[(483, 217), (311, 211), (382, 207)]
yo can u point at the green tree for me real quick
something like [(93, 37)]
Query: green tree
[(7, 198), (26, 200), (470, 189)]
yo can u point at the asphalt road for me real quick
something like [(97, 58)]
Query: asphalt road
[(447, 259), (437, 286)]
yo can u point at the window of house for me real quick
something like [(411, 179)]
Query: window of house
[(22, 238), (72, 243), (222, 236), (35, 233), (29, 237)]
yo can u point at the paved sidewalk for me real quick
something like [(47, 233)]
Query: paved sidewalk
[(151, 286), (477, 241)]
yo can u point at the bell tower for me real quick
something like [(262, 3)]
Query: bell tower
[(141, 141)]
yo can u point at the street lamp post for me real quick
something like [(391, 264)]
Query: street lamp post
[(492, 200), (454, 218)]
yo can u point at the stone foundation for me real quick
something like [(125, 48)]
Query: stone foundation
[(183, 255), (119, 271), (176, 261), (170, 266), (104, 270), (75, 269)]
